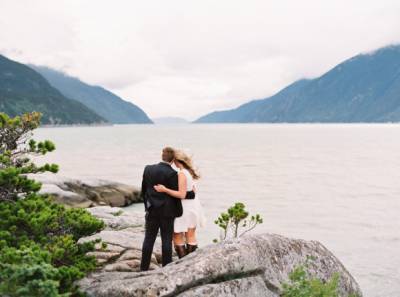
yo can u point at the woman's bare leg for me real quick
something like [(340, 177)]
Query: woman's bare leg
[(178, 239), (191, 236)]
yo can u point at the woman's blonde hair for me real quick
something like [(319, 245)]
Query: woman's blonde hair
[(187, 163)]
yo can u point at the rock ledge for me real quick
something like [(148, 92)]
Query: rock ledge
[(253, 265), (88, 193)]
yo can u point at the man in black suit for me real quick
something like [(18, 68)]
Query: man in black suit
[(161, 209)]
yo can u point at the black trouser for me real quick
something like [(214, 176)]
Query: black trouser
[(154, 221)]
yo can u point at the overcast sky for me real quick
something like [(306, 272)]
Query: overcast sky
[(187, 58)]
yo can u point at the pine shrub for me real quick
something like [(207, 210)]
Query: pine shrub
[(39, 250)]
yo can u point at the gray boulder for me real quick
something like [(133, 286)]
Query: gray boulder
[(250, 266), (116, 218), (123, 238), (88, 193)]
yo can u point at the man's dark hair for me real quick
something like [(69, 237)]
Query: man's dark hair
[(168, 154)]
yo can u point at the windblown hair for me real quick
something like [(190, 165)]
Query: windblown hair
[(187, 163)]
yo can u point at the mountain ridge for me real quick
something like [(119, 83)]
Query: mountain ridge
[(102, 101), (22, 89), (364, 88)]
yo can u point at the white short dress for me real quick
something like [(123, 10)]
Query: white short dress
[(193, 215)]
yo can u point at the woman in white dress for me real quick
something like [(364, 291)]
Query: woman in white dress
[(185, 240)]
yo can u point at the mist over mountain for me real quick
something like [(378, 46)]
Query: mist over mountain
[(365, 88), (103, 102), (170, 120), (24, 90)]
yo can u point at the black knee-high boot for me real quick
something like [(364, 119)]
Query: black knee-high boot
[(181, 251), (190, 248)]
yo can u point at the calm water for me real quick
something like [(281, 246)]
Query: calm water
[(338, 184)]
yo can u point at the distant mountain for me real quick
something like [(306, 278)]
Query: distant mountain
[(365, 88), (170, 120), (23, 90), (103, 102)]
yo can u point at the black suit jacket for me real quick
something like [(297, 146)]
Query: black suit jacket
[(161, 173)]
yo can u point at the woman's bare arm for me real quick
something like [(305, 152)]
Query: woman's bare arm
[(181, 193)]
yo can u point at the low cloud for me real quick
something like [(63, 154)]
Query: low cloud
[(187, 58)]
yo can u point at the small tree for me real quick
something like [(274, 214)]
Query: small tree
[(15, 146), (235, 222), (39, 250)]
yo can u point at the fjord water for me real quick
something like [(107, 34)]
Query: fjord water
[(335, 183)]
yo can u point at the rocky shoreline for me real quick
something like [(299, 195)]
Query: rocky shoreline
[(88, 193), (123, 237), (254, 265)]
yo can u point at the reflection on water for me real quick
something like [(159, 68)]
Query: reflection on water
[(338, 184)]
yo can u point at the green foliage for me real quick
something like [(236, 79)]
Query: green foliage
[(236, 222), (39, 253), (29, 280), (15, 147), (301, 284)]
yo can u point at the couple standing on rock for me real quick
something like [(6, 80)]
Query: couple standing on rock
[(171, 206)]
